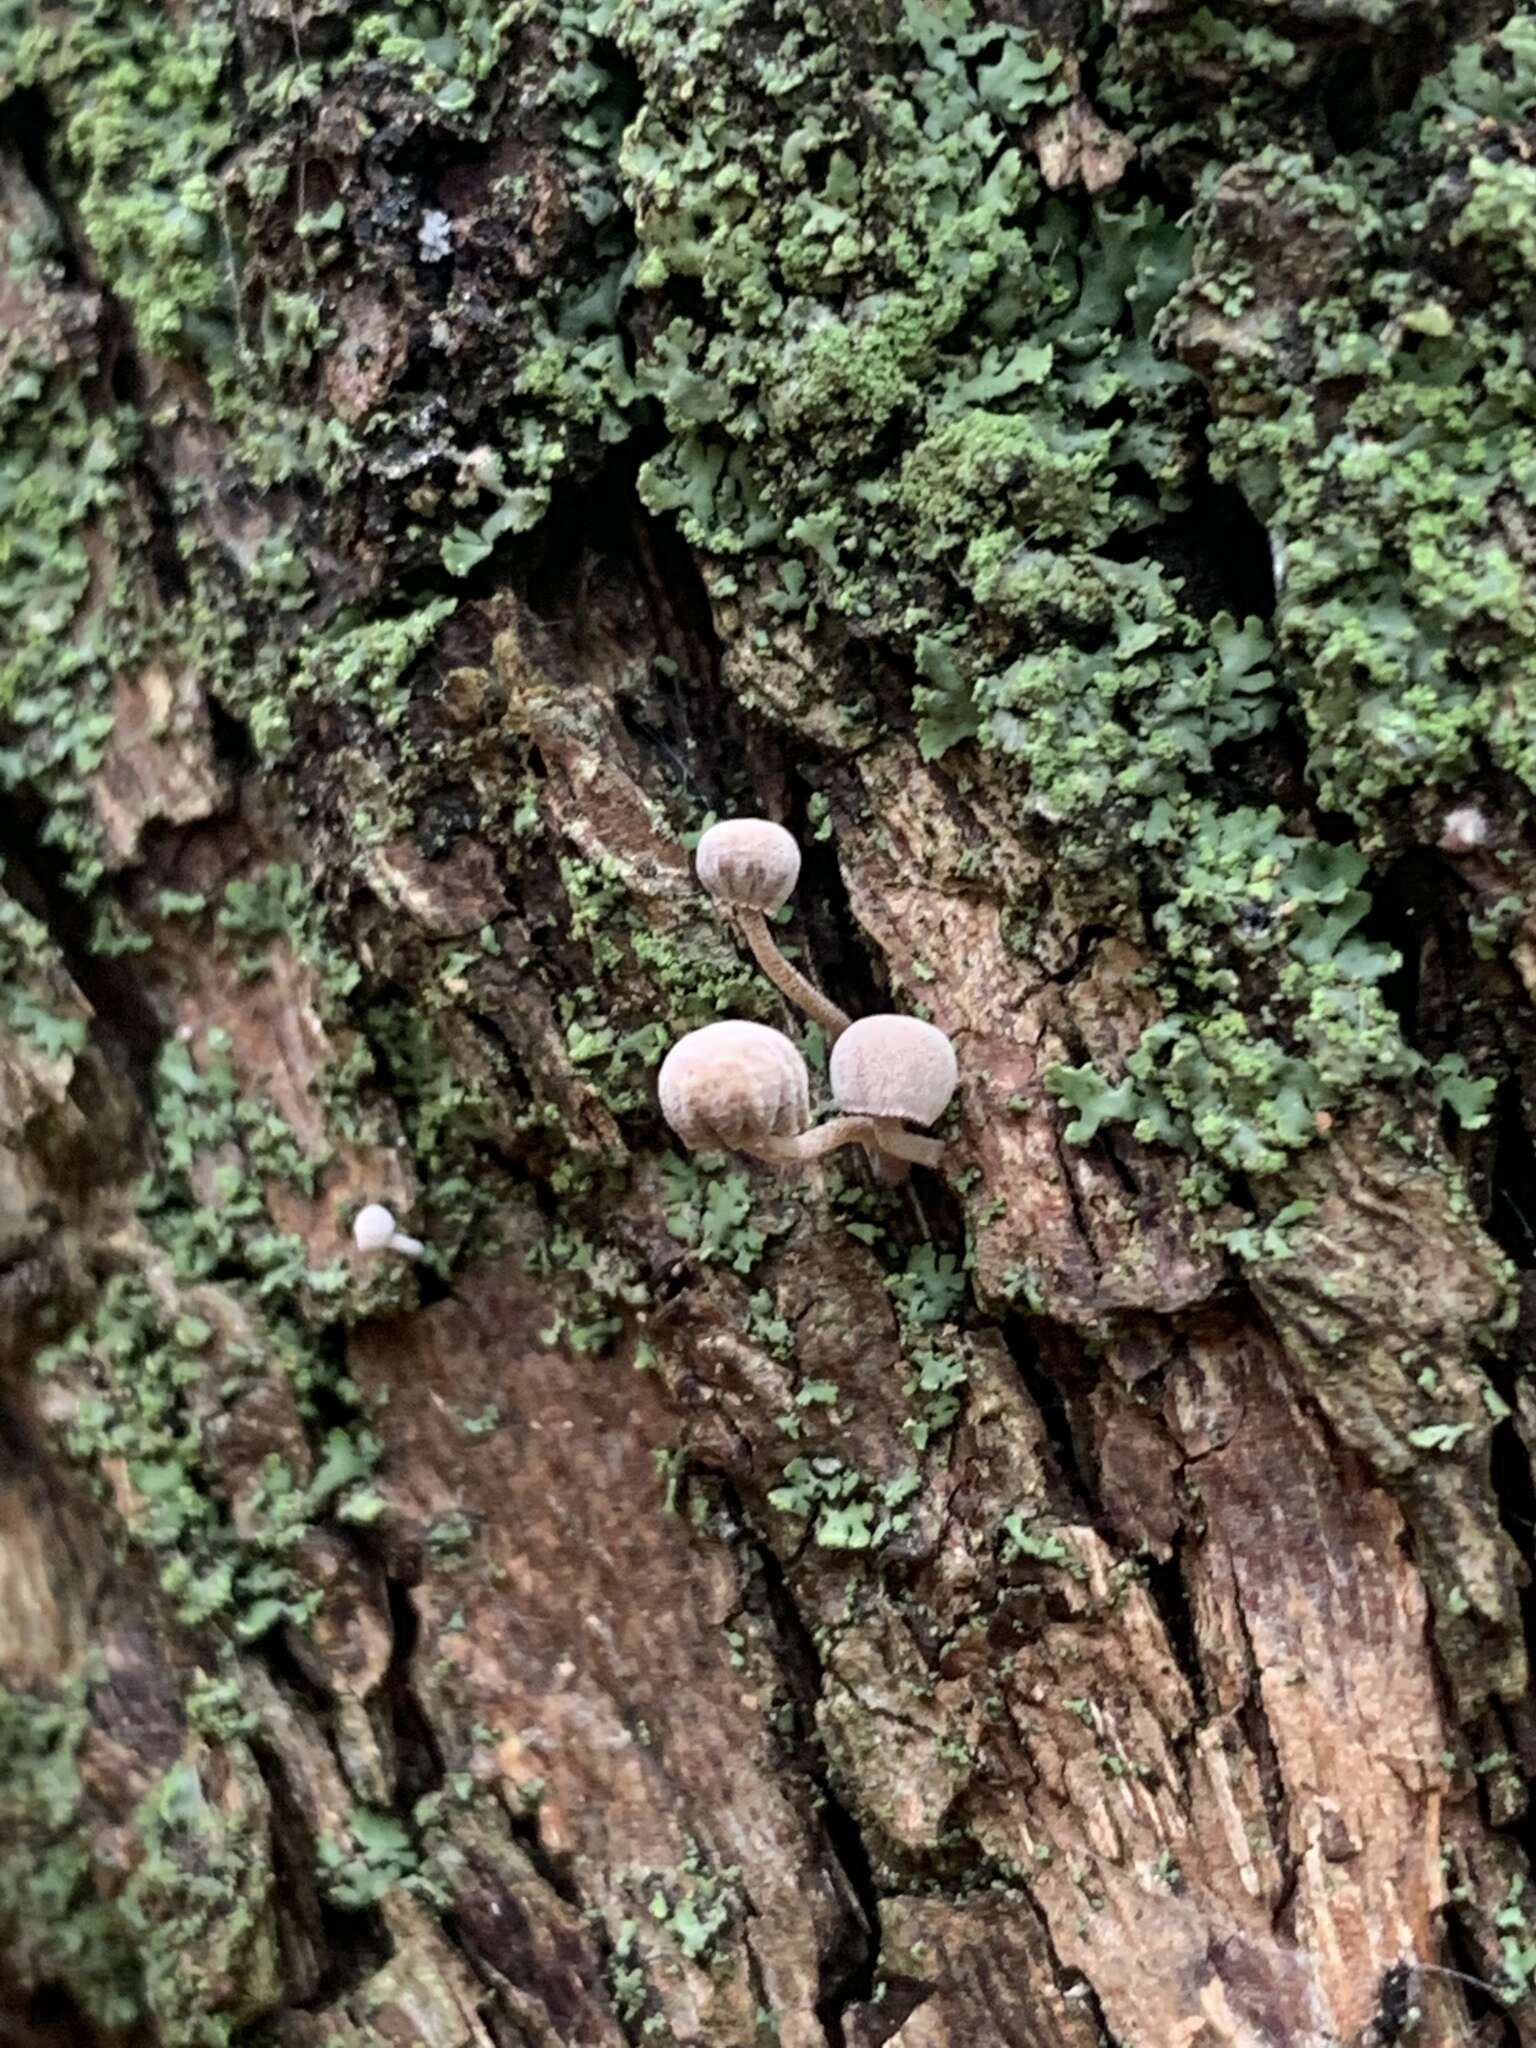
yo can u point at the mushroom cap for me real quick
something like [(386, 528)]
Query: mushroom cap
[(1464, 829), (372, 1228), (734, 1084), (749, 863), (894, 1066)]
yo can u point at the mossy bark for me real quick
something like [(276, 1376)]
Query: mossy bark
[(1077, 468)]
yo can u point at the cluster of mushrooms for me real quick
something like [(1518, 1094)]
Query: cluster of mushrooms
[(741, 1087)]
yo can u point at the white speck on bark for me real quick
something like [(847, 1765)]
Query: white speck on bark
[(436, 237), (1464, 830)]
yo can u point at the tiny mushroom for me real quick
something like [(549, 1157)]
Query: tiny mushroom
[(750, 867), (1465, 830), (895, 1070), (373, 1230), (744, 1087)]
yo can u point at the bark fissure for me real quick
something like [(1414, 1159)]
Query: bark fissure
[(1052, 1403), (849, 1972)]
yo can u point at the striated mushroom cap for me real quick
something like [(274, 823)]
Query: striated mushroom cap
[(732, 1085), (749, 863), (894, 1066)]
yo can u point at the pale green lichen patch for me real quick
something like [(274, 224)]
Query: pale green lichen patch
[(1256, 909), (140, 1392), (144, 118), (936, 398), (843, 1508), (644, 956), (61, 524), (38, 1003), (56, 1926), (904, 375), (1402, 508), (201, 1388), (182, 1935), (709, 1207)]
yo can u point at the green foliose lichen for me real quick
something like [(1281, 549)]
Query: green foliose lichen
[(144, 1389), (907, 385), (1400, 506), (179, 1933), (55, 1925)]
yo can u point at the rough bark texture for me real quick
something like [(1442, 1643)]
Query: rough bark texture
[(1077, 467)]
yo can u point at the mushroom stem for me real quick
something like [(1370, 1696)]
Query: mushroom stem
[(897, 1142), (888, 1144), (789, 980), (411, 1247), (812, 1144)]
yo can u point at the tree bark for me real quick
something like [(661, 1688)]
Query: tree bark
[(1074, 468)]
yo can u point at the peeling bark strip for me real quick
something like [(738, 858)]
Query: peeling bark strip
[(1073, 467)]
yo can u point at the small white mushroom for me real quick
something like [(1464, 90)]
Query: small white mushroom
[(750, 866), (744, 1087), (434, 238), (373, 1230), (1464, 830), (895, 1070)]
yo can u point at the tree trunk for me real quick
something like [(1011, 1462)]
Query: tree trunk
[(1077, 470)]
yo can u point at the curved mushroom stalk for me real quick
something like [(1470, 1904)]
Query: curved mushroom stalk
[(788, 980), (885, 1141), (805, 1146), (750, 867)]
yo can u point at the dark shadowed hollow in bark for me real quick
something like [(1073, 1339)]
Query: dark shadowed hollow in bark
[(1073, 462)]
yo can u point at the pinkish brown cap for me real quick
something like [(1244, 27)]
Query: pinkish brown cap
[(749, 863), (734, 1084), (894, 1066)]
